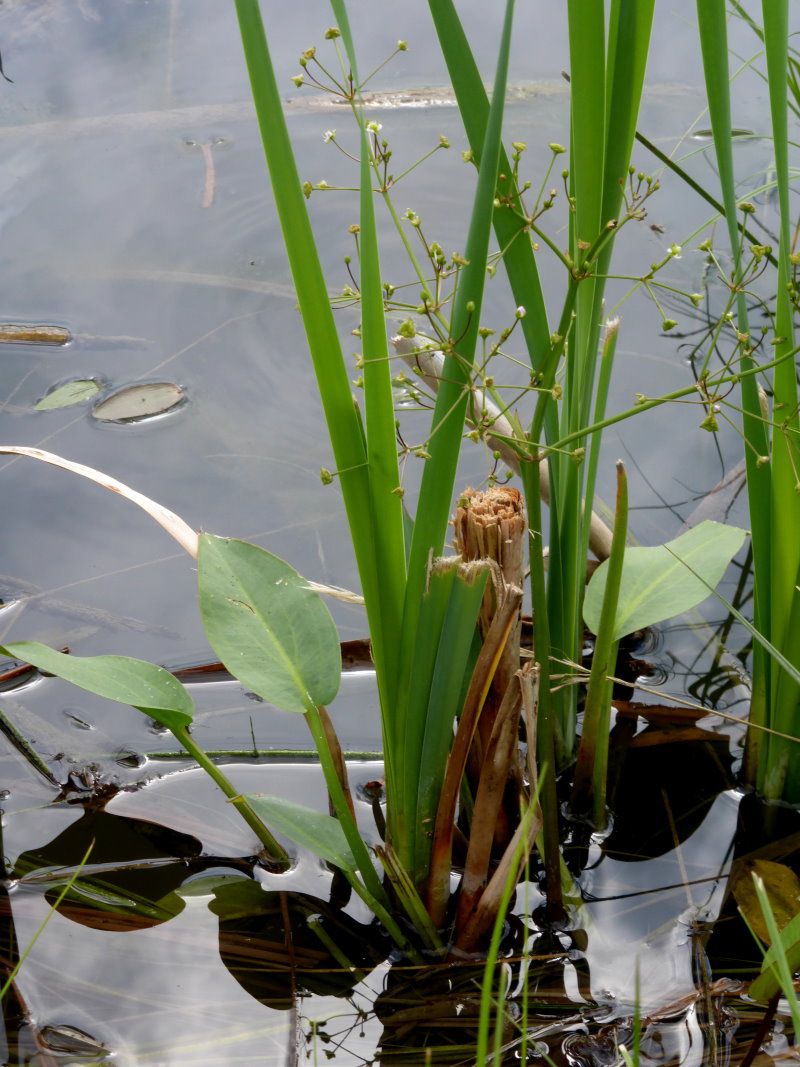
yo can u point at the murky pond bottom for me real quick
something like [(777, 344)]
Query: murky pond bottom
[(174, 946)]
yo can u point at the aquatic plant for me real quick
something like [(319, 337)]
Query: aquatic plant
[(443, 630)]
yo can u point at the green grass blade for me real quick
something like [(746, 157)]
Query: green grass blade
[(387, 503), (473, 104), (344, 424), (589, 784), (446, 692), (712, 24), (43, 924), (451, 402), (786, 454)]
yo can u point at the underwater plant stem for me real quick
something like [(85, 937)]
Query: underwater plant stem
[(276, 850)]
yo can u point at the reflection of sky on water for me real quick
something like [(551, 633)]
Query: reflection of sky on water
[(655, 928)]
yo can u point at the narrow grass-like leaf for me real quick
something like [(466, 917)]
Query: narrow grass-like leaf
[(589, 782), (269, 629), (785, 517), (712, 25), (656, 585), (387, 503), (150, 689), (451, 401), (41, 928), (473, 105), (768, 983), (780, 966), (434, 733), (344, 424)]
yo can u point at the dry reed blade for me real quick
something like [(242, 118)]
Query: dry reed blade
[(488, 804), (174, 525)]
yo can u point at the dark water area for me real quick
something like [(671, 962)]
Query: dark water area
[(135, 213)]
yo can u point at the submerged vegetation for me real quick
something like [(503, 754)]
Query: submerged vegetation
[(496, 742)]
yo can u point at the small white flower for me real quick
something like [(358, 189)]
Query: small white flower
[(675, 251), (329, 135), (520, 313), (374, 127)]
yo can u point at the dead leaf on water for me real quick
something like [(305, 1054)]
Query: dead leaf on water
[(782, 886), (135, 402)]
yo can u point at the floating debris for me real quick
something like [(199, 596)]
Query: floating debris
[(34, 335), (708, 135), (71, 1040), (69, 393), (133, 403), (206, 147), (76, 719)]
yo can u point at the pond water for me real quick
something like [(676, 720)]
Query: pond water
[(136, 214)]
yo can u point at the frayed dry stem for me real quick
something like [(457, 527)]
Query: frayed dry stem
[(488, 803), (490, 525), (439, 880), (511, 863), (429, 365)]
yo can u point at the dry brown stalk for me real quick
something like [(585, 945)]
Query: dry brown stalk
[(488, 803), (516, 854)]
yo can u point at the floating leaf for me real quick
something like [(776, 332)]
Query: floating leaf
[(64, 396), (320, 834), (150, 689), (269, 629), (656, 585), (783, 890), (141, 401)]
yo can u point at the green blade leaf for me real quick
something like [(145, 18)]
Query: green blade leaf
[(269, 629), (655, 583), (150, 689), (768, 984), (310, 829)]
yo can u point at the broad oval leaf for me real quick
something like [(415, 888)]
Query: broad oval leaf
[(320, 834), (141, 401), (69, 393), (269, 629), (150, 689), (667, 580)]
